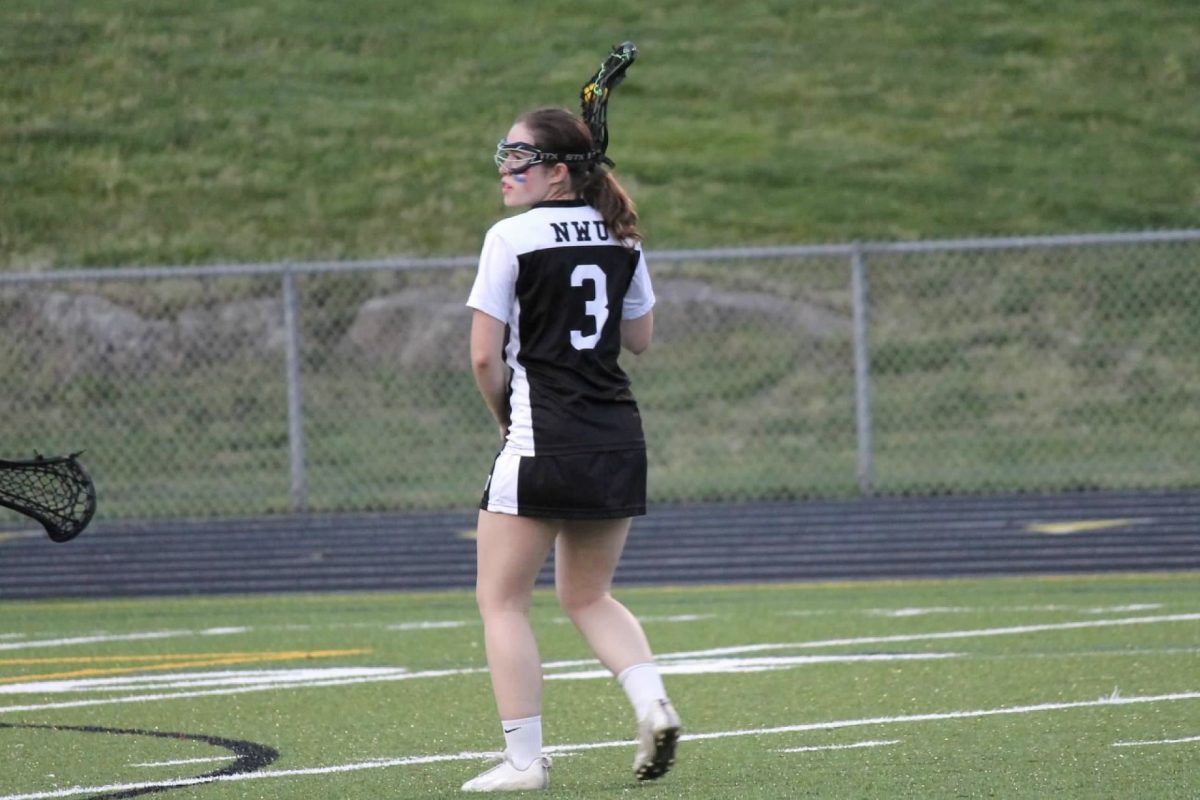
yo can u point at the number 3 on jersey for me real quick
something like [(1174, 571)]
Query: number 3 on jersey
[(596, 307)]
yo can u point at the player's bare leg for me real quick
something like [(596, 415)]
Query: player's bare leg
[(511, 551), (586, 558)]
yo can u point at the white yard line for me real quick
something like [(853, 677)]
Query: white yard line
[(427, 626), (854, 746), (98, 638), (270, 678), (710, 666), (934, 636), (396, 675), (1188, 740), (93, 639), (1114, 700), (384, 763)]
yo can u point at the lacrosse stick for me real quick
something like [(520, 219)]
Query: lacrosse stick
[(56, 492), (593, 97)]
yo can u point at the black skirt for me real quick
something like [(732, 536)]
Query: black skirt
[(606, 485)]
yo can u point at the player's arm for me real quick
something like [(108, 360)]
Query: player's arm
[(487, 363), (637, 333)]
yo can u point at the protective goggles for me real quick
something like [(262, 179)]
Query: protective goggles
[(516, 157)]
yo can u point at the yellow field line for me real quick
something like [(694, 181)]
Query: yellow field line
[(168, 662)]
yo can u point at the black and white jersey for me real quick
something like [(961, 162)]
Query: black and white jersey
[(562, 284)]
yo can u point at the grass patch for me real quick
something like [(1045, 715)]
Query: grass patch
[(148, 132)]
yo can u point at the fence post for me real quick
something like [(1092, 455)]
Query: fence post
[(295, 393), (862, 371)]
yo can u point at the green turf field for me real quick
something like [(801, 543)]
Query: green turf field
[(1081, 687)]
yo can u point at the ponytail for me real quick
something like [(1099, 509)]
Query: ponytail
[(603, 192)]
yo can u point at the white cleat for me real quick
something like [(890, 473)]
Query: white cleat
[(505, 777), (658, 733)]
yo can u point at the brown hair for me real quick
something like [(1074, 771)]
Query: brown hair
[(557, 130)]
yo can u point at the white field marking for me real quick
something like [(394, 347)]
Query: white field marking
[(230, 681), (1188, 740), (224, 631), (1080, 609), (941, 635), (413, 625), (1124, 609), (1106, 653), (426, 626), (855, 746), (723, 651), (915, 612), (672, 618), (399, 675), (1051, 607), (383, 763), (710, 666), (182, 761), (94, 639), (277, 678), (985, 632), (679, 618), (664, 660), (98, 638)]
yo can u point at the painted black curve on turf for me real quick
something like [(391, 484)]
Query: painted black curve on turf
[(251, 756)]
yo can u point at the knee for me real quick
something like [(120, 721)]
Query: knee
[(576, 603), (492, 602)]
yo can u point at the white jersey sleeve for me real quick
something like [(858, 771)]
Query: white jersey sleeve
[(640, 297), (495, 283)]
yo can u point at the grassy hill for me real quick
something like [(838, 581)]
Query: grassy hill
[(153, 131)]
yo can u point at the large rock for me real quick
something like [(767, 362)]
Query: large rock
[(691, 307), (416, 328), (80, 333), (243, 326)]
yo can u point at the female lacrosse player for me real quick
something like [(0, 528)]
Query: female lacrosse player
[(560, 289)]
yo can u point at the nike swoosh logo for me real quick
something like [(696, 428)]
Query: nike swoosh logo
[(510, 730)]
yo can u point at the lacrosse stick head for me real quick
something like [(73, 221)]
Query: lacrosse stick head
[(594, 95), (57, 492)]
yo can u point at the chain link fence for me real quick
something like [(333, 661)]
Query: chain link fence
[(1022, 365)]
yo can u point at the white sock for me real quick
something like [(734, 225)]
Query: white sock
[(643, 686), (523, 740)]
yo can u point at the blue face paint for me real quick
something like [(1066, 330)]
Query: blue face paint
[(518, 178)]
